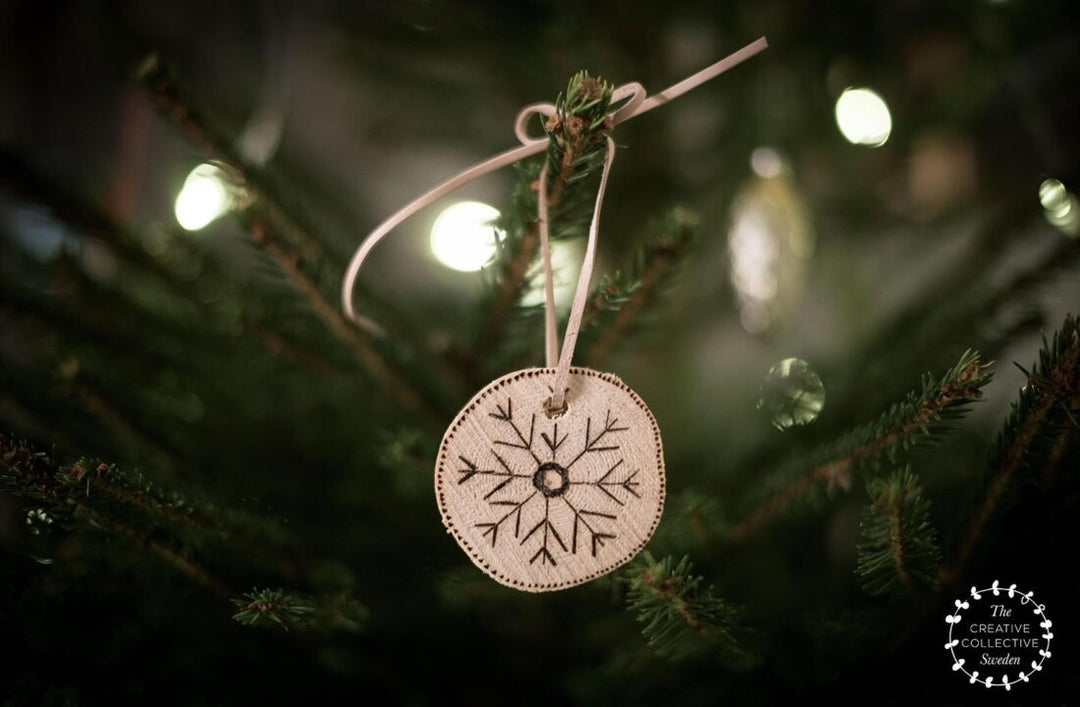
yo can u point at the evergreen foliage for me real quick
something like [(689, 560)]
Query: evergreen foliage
[(899, 552), (683, 618), (227, 452), (922, 416)]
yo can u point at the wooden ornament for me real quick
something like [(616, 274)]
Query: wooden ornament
[(543, 501)]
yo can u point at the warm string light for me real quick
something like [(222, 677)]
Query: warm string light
[(754, 251), (766, 162), (770, 240), (204, 197), (463, 235), (1060, 206), (863, 117)]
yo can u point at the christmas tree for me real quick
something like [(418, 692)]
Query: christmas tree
[(817, 269)]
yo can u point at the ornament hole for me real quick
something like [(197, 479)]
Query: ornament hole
[(554, 413), (551, 479)]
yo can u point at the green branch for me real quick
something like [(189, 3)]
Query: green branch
[(682, 618), (106, 492), (278, 608), (920, 416), (899, 549), (988, 312), (335, 321), (575, 152), (619, 301), (277, 233), (1031, 433), (169, 527), (171, 100), (103, 496)]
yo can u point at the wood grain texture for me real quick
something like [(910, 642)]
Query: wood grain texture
[(541, 503)]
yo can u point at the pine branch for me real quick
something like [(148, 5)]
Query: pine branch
[(1031, 433), (618, 302), (377, 367), (91, 486), (278, 608), (121, 321), (575, 152), (179, 562), (169, 98), (105, 319), (277, 344), (167, 525), (920, 416), (692, 518), (67, 378), (276, 232), (988, 312), (91, 494), (900, 549), (682, 619), (94, 402), (129, 244)]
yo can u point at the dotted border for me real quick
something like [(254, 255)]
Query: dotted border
[(1025, 598), (472, 404)]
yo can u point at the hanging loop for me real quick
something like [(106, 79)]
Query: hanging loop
[(521, 123), (556, 405), (637, 102)]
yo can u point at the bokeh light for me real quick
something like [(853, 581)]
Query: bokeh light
[(1060, 206), (1053, 195), (565, 267), (754, 251), (769, 244), (463, 235), (792, 394), (766, 162), (863, 117), (203, 198)]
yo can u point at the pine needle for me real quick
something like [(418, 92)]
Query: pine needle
[(899, 551), (290, 611), (575, 153), (920, 417), (683, 619), (617, 304), (1032, 434)]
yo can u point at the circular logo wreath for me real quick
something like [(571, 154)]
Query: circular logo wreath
[(996, 629)]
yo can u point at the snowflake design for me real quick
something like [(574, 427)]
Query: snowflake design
[(542, 468)]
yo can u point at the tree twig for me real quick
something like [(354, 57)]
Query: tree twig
[(269, 217), (896, 541), (836, 472), (575, 129), (168, 98), (35, 475), (1059, 380), (511, 283), (666, 590), (95, 403), (277, 344), (599, 352), (186, 567), (338, 325)]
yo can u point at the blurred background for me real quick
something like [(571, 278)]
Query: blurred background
[(889, 185)]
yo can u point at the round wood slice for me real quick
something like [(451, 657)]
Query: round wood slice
[(545, 502)]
